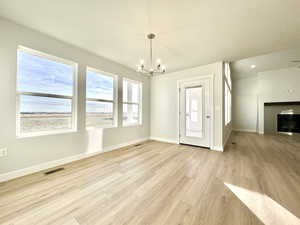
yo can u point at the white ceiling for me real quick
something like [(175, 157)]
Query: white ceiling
[(190, 32), (273, 61)]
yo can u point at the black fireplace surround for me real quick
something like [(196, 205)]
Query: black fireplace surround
[(288, 123)]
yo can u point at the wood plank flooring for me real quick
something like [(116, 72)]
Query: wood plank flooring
[(255, 181)]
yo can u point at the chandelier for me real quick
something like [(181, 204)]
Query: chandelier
[(156, 68)]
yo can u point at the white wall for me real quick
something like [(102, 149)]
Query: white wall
[(27, 152), (250, 94), (164, 103), (245, 95), (277, 86)]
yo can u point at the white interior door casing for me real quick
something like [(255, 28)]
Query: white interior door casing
[(195, 112)]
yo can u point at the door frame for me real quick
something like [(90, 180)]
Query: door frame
[(212, 108)]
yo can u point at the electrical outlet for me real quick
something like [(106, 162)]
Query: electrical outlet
[(3, 152)]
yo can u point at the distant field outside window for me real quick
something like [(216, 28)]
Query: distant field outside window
[(100, 99), (45, 93), (132, 95)]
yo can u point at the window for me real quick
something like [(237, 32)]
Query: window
[(228, 95), (227, 105), (101, 99), (132, 109), (46, 91)]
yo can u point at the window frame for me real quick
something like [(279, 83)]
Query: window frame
[(114, 101), (73, 98), (139, 104), (228, 86)]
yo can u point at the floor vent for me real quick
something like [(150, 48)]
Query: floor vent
[(54, 171)]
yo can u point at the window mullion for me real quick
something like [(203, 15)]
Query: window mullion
[(99, 100), (44, 95), (131, 103)]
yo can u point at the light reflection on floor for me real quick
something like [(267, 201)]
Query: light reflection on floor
[(265, 208)]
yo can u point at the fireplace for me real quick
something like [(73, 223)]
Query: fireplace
[(288, 123), (281, 117)]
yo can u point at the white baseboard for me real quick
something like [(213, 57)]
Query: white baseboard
[(217, 148), (164, 140), (47, 165), (114, 147), (245, 130)]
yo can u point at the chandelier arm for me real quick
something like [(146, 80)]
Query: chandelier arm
[(145, 70)]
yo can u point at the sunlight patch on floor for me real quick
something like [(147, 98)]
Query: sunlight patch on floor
[(265, 208)]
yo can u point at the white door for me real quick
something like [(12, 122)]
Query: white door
[(195, 112)]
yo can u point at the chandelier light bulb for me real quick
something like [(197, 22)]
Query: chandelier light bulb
[(163, 68), (142, 61), (158, 61)]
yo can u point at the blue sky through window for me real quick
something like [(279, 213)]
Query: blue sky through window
[(99, 86), (37, 74), (41, 75)]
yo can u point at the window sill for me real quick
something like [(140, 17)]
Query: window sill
[(46, 133), (133, 125), (100, 127)]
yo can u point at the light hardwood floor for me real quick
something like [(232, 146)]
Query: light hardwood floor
[(255, 181)]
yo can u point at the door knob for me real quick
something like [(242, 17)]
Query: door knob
[(208, 117)]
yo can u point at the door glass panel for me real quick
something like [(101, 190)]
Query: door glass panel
[(194, 112)]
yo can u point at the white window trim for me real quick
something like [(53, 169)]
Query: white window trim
[(140, 104), (228, 110), (228, 80), (114, 101), (228, 84), (74, 98)]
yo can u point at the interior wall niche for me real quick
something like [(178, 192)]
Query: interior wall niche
[(273, 112)]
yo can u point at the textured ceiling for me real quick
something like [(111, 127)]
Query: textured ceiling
[(190, 33)]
